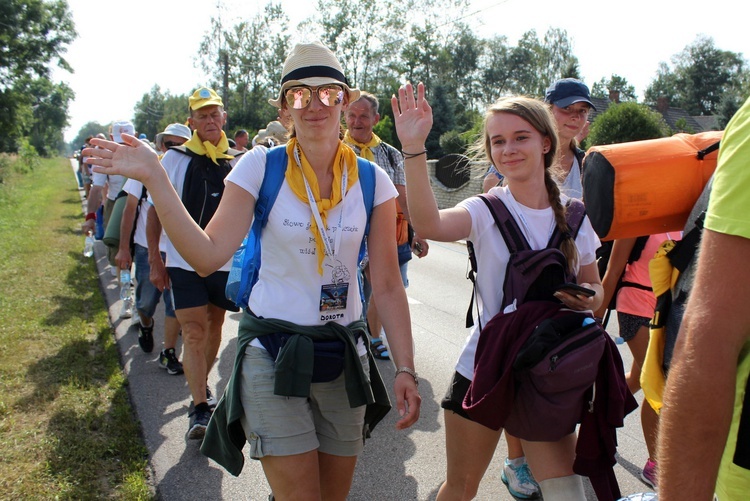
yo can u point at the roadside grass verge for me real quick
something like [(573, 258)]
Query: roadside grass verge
[(67, 429)]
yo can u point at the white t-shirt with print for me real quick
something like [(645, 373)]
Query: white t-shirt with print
[(493, 255), (289, 286)]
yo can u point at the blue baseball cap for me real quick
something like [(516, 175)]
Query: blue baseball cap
[(567, 91)]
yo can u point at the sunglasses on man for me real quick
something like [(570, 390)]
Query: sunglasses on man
[(300, 97), (172, 144)]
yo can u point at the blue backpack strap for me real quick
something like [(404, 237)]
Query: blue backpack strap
[(247, 257), (367, 182)]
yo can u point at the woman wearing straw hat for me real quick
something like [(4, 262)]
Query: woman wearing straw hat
[(308, 446)]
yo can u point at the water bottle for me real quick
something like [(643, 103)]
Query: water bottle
[(88, 246), (125, 285)]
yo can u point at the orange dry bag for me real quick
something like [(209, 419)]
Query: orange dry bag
[(647, 187)]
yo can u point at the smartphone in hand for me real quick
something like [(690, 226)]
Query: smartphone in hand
[(575, 289)]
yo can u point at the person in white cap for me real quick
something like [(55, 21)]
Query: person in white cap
[(148, 294), (105, 186), (307, 436), (112, 182)]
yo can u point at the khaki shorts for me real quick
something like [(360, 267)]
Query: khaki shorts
[(283, 426)]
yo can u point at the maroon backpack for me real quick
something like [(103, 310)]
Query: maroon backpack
[(541, 358), (531, 275)]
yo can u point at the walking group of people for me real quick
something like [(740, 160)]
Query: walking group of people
[(305, 391)]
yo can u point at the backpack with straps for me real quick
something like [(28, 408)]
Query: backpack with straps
[(531, 274), (246, 262), (556, 354)]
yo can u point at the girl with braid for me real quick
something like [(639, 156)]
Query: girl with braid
[(520, 141)]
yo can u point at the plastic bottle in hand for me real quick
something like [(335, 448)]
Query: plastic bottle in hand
[(126, 294), (88, 246)]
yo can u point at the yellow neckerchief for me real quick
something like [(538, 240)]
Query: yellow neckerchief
[(365, 149), (344, 156), (208, 149)]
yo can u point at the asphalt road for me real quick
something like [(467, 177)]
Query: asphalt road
[(395, 465)]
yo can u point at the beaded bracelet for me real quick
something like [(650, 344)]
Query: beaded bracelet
[(408, 371), (413, 155)]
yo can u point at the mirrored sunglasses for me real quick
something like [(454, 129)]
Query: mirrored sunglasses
[(299, 98)]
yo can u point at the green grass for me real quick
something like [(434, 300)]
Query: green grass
[(67, 430)]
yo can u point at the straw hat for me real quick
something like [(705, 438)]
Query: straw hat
[(312, 64)]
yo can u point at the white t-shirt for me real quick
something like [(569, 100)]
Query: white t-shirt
[(176, 164), (572, 186), (115, 183), (289, 286), (134, 187), (537, 226)]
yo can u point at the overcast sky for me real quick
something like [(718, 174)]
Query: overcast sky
[(124, 48)]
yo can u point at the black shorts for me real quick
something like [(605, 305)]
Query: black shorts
[(454, 397), (190, 290)]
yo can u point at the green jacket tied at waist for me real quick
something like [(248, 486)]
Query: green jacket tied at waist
[(225, 437)]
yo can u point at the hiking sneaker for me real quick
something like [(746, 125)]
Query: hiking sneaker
[(127, 309), (146, 337), (648, 475), (210, 399), (519, 481), (168, 360), (198, 423)]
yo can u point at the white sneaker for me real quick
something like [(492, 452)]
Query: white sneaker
[(127, 309), (520, 481)]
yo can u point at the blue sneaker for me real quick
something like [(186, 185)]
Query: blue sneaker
[(519, 481)]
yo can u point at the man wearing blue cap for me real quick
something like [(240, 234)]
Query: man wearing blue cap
[(197, 170)]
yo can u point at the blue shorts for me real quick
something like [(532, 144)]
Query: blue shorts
[(277, 425)]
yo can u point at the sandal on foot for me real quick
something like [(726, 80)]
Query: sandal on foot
[(379, 350)]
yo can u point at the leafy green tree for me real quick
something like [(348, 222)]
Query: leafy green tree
[(149, 111), (33, 35), (626, 122), (245, 61), (49, 104), (88, 129), (701, 76), (616, 83), (443, 120)]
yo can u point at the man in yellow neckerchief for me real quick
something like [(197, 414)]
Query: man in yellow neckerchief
[(361, 116), (197, 170)]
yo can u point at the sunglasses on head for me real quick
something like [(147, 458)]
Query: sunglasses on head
[(300, 97), (171, 144)]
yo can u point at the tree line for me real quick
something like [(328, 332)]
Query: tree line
[(380, 44)]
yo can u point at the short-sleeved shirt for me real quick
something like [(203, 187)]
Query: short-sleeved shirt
[(288, 274), (115, 183), (729, 213), (493, 255), (176, 164)]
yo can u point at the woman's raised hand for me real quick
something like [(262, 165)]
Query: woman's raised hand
[(412, 116), (134, 159)]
